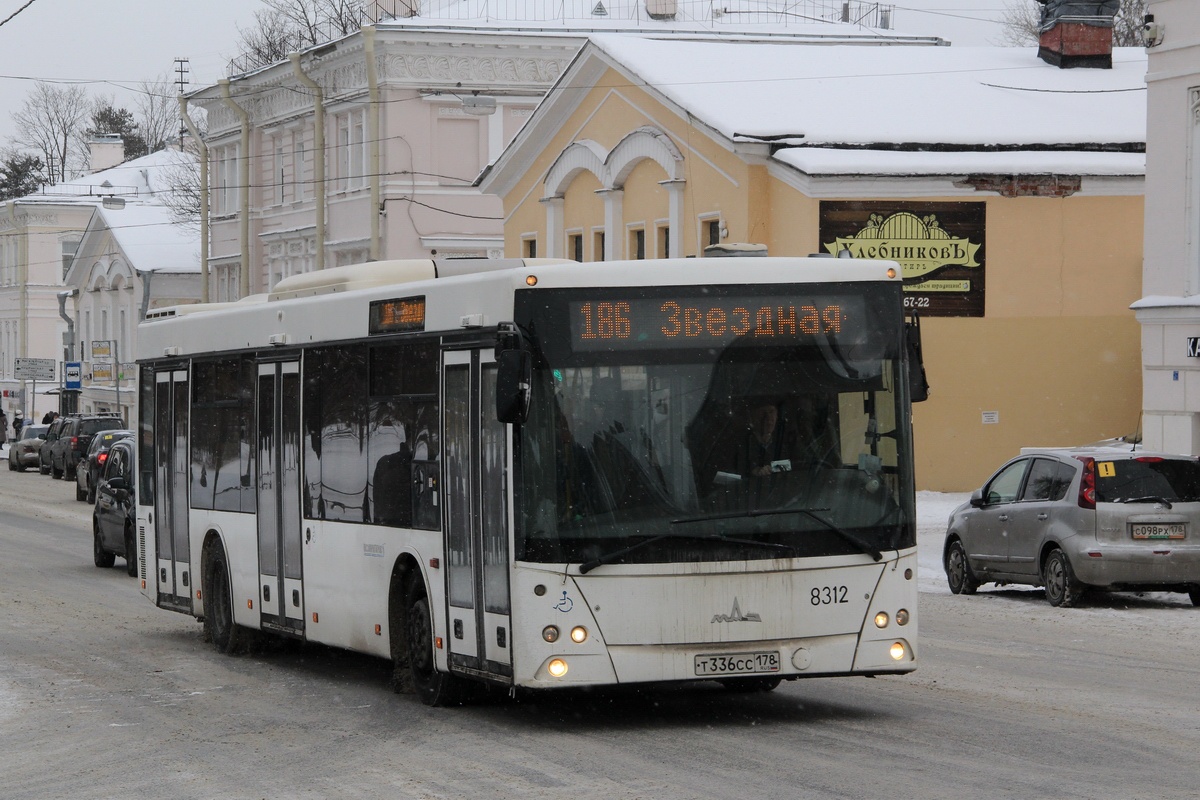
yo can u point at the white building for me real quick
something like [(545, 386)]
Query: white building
[(73, 261), (1169, 311)]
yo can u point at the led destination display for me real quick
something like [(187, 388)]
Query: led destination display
[(645, 323)]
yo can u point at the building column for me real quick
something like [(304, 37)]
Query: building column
[(675, 189), (614, 223), (554, 225)]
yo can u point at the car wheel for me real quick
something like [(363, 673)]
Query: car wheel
[(12, 465), (433, 687), (131, 564), (1194, 593), (226, 635), (1063, 589), (91, 493), (55, 472), (958, 570), (100, 556), (80, 493), (43, 467)]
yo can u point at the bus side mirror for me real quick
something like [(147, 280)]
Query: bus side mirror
[(514, 385), (918, 385)]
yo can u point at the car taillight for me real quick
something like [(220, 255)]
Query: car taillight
[(1087, 484), (1150, 459), (101, 458), (74, 442)]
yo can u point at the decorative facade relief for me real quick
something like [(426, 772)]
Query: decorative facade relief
[(470, 69)]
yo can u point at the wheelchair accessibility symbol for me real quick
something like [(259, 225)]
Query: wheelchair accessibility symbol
[(565, 604)]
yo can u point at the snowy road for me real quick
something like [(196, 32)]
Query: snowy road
[(103, 696)]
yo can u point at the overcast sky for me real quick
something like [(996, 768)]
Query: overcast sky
[(111, 46)]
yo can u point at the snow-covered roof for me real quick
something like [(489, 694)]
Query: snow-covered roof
[(728, 18), (845, 110), (150, 239), (143, 177)]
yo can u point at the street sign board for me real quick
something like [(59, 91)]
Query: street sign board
[(102, 372), (102, 348), (36, 369), (73, 375)]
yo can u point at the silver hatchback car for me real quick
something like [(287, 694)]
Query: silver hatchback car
[(1071, 520)]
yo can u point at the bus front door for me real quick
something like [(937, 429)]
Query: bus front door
[(174, 573), (476, 519), (280, 573)]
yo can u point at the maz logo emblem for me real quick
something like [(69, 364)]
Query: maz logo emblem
[(736, 615)]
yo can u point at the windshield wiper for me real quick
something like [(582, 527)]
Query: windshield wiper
[(615, 555), (1150, 498), (862, 546)]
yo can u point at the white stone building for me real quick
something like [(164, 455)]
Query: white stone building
[(73, 261), (1169, 311)]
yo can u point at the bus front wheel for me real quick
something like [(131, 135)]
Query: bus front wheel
[(433, 687), (219, 627)]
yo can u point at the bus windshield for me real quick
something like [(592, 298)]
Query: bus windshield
[(777, 446)]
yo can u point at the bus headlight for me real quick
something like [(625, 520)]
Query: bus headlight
[(898, 651), (557, 667), (579, 634), (550, 633), (881, 619)]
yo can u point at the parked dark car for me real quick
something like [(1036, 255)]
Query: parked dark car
[(1073, 520), (113, 518), (92, 465), (73, 439), (24, 452), (52, 435)]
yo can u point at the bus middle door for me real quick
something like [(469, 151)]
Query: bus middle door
[(281, 589), (475, 448)]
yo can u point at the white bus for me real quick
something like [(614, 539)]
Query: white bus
[(540, 474)]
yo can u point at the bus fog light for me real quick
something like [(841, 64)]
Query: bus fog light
[(550, 633), (898, 651), (557, 667), (881, 619), (902, 616), (579, 634)]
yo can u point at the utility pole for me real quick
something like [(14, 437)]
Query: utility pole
[(182, 67)]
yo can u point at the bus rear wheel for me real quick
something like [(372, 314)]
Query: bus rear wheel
[(219, 627), (433, 687)]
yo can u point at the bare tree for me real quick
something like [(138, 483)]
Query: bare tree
[(286, 26), (1023, 18), (183, 177), (158, 112), (50, 122)]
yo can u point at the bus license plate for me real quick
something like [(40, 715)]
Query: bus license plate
[(736, 664), (1152, 530)]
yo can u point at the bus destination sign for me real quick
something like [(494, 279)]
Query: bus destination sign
[(401, 315), (647, 323)]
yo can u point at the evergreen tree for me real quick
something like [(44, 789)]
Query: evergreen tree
[(109, 120), (21, 174)]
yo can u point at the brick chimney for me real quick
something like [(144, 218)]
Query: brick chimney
[(1077, 33)]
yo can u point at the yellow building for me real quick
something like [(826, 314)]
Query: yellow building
[(1009, 189)]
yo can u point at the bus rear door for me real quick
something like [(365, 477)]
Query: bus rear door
[(173, 573), (476, 518)]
